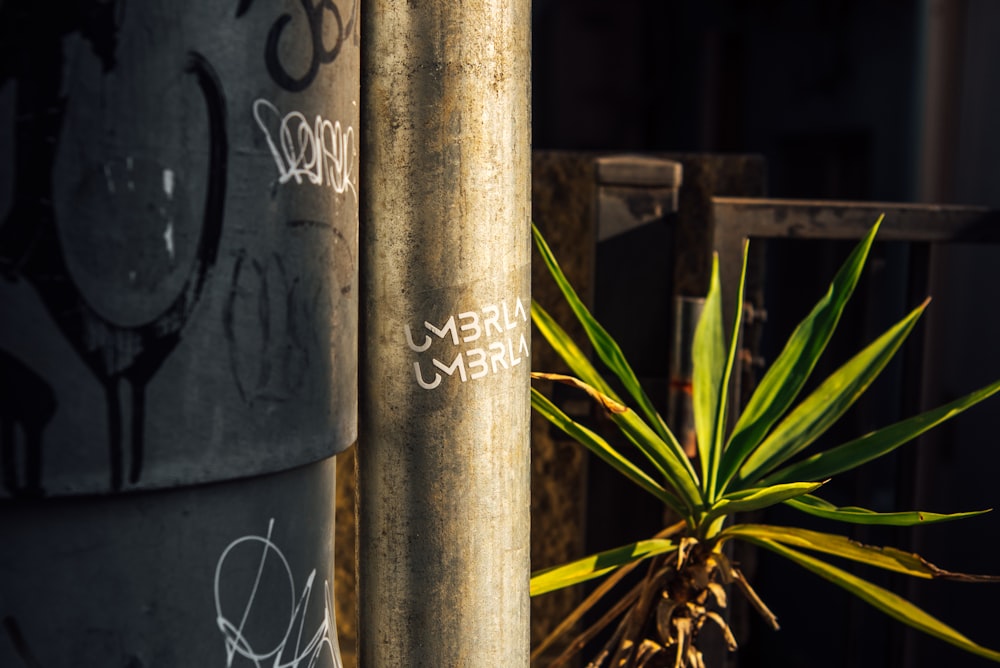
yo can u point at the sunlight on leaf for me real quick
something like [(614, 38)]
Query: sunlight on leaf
[(862, 450), (853, 515), (827, 403), (602, 449), (887, 558), (709, 356), (737, 475), (568, 351), (882, 599), (755, 499), (596, 565), (788, 373), (666, 456), (604, 345)]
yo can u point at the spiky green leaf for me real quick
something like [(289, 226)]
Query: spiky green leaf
[(853, 515), (605, 346), (603, 450), (755, 499), (709, 365), (667, 456), (785, 377), (711, 374), (887, 558), (596, 565), (570, 353), (722, 399), (827, 403), (878, 443), (882, 599)]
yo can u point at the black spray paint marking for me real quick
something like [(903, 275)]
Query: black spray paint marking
[(20, 644), (32, 249), (269, 317), (27, 404), (315, 14)]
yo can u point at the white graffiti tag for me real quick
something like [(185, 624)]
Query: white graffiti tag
[(322, 152), (244, 572), (483, 342)]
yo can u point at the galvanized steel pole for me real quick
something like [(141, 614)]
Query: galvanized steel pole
[(444, 449)]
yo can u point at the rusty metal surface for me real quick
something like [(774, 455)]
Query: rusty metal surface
[(707, 176), (564, 195), (734, 219), (345, 585), (833, 219), (634, 191)]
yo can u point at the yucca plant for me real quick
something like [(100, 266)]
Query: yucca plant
[(743, 464)]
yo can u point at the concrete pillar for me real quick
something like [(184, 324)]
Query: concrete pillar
[(444, 449), (178, 328)]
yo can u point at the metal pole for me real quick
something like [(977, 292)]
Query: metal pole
[(444, 452)]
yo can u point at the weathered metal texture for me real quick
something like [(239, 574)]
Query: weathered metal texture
[(178, 242), (638, 198), (634, 190), (564, 204), (345, 583), (444, 457), (736, 218), (706, 176), (236, 573)]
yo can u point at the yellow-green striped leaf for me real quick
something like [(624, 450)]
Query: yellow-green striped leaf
[(785, 377), (605, 346), (887, 558), (596, 565), (882, 599), (709, 359), (541, 404), (667, 456), (762, 497), (570, 353), (827, 403), (713, 369), (872, 446), (853, 515)]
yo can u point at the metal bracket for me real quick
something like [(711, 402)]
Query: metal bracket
[(633, 190)]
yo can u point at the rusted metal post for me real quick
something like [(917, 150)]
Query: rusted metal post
[(444, 452)]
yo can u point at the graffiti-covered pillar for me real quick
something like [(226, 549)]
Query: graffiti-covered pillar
[(178, 328), (444, 453)]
